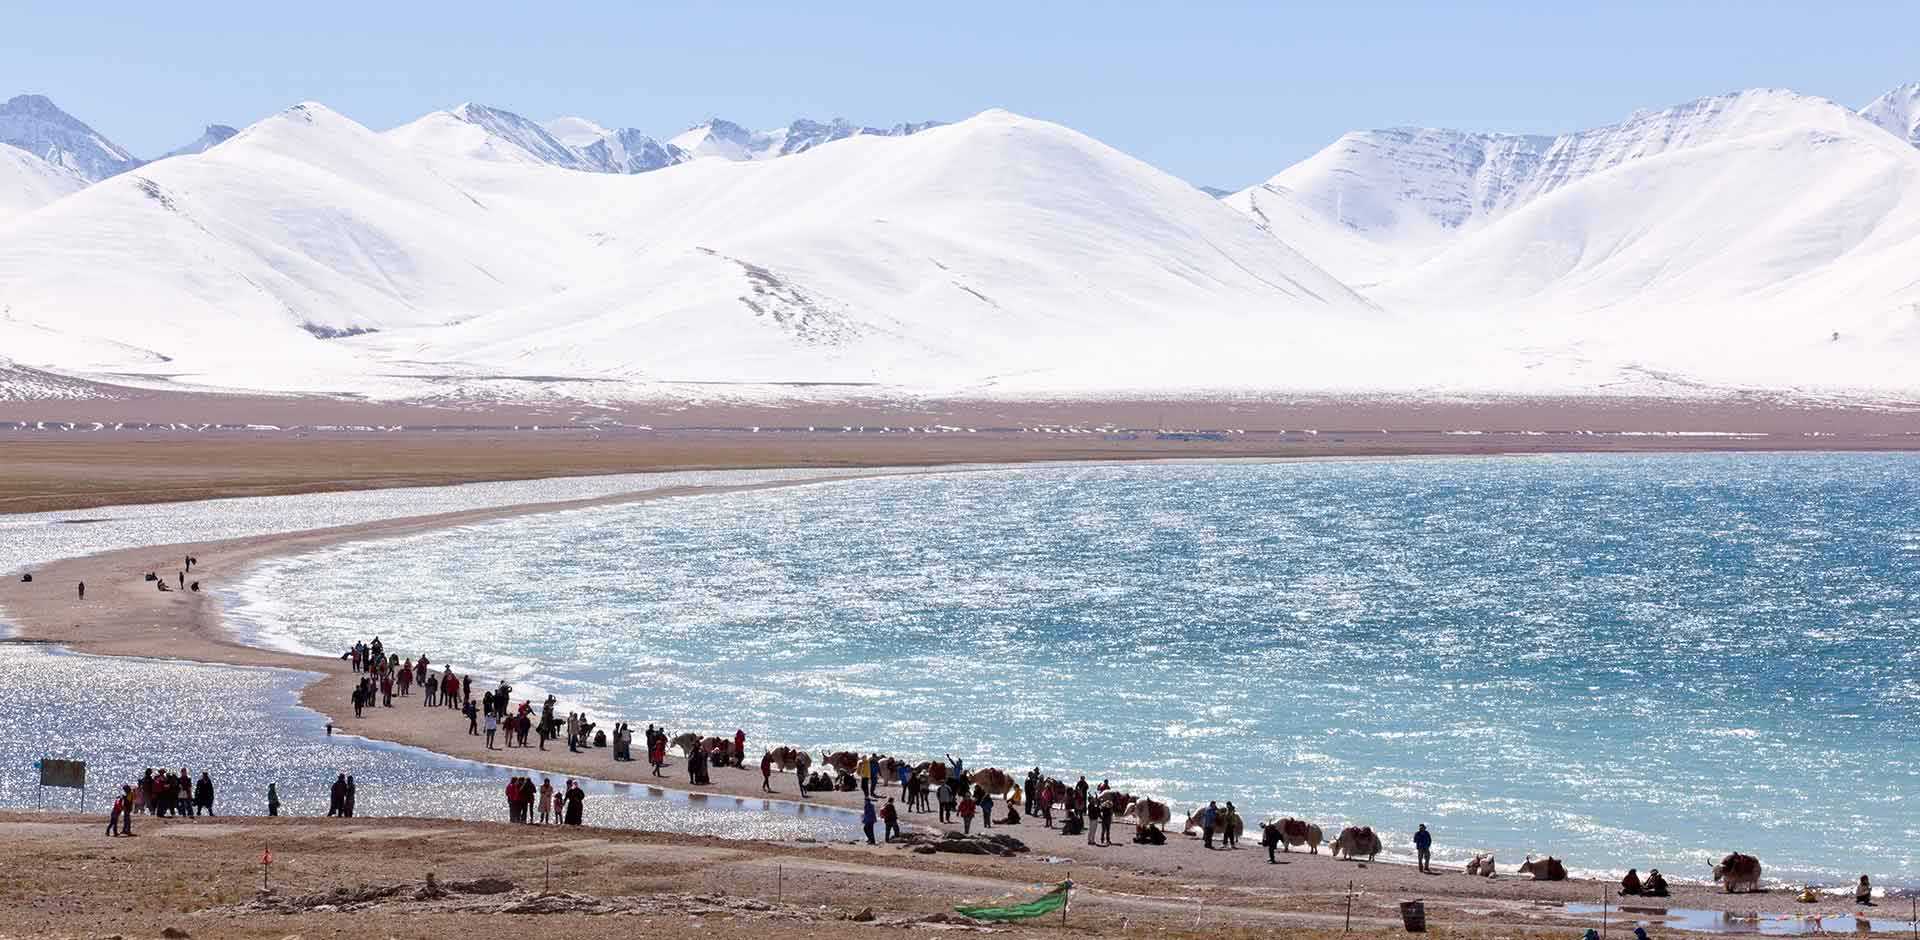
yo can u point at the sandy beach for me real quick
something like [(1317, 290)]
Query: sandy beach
[(124, 616)]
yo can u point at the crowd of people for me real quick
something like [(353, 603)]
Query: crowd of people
[(557, 806), (161, 793)]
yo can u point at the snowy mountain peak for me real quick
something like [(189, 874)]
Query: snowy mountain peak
[(522, 133), (730, 141), (1898, 111), (1421, 182), (213, 136), (35, 124)]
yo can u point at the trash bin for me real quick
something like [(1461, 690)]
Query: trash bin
[(1414, 915)]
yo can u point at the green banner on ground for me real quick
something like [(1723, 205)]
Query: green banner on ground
[(1045, 904)]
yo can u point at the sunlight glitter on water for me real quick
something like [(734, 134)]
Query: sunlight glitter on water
[(1620, 660)]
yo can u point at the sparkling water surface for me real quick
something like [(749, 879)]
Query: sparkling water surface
[(245, 727), (1621, 660)]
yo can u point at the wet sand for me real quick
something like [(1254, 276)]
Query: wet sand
[(124, 615)]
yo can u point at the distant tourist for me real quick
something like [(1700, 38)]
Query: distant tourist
[(1863, 895), (868, 817), (1630, 885), (203, 794), (273, 800), (83, 590), (337, 797), (576, 803), (890, 816), (1656, 886), (1423, 844)]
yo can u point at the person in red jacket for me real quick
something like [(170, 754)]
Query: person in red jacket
[(739, 747)]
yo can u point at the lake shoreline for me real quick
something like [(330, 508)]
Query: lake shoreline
[(124, 616)]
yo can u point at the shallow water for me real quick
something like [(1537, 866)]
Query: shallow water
[(27, 539), (1645, 660), (123, 715), (1705, 921)]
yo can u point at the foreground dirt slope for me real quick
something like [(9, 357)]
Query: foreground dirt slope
[(66, 879)]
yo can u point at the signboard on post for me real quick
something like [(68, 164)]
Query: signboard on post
[(71, 774)]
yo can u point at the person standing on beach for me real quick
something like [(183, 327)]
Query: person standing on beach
[(273, 799), (576, 803), (119, 810), (985, 801), (203, 794), (1209, 817), (966, 815), (766, 772), (546, 800), (337, 797), (739, 747), (867, 818), (352, 791), (493, 724), (473, 718), (1106, 822), (83, 590), (1423, 844), (945, 795)]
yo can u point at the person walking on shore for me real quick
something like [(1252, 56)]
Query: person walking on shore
[(492, 725), (1423, 844), (766, 772), (337, 797), (473, 718), (867, 818), (966, 815), (890, 816)]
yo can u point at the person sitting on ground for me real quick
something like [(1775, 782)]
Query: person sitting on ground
[(1630, 885), (1656, 886), (1863, 895)]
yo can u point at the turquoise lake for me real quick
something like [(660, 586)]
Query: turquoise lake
[(1621, 660)]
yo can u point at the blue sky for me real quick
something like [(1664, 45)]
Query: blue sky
[(1219, 93)]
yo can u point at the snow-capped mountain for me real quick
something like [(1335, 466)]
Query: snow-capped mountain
[(1762, 239), (213, 136), (610, 151), (1412, 190), (1763, 236), (32, 123), (577, 143), (1898, 111), (730, 141), (28, 182), (308, 253)]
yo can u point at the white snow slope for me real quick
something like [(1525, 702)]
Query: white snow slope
[(1763, 238), (961, 256), (28, 182)]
